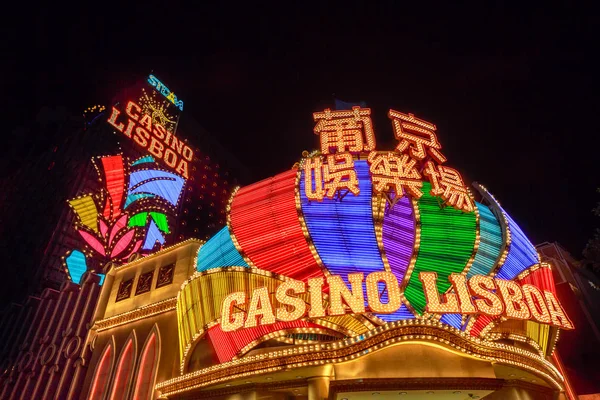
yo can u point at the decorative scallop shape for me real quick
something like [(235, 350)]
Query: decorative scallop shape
[(219, 251), (265, 222), (446, 246)]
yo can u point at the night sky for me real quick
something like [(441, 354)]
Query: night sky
[(510, 88)]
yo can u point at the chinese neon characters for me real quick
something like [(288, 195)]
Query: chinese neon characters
[(347, 135), (342, 135)]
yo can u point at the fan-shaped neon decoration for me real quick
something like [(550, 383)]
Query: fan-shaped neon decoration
[(399, 236), (340, 236), (343, 231), (490, 243), (115, 180), (138, 219), (521, 254), (132, 198), (219, 252), (266, 225), (161, 221), (156, 182), (227, 344), (143, 160), (86, 210), (446, 245)]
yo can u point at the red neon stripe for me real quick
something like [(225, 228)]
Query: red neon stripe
[(265, 222), (228, 344), (124, 367), (541, 278), (101, 378), (115, 184), (571, 395), (144, 383)]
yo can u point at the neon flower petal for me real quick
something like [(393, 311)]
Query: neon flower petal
[(122, 243), (121, 222), (76, 265), (114, 176), (136, 247), (103, 227), (92, 242)]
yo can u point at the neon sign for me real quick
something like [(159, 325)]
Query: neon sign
[(153, 137), (164, 90), (477, 295), (352, 229)]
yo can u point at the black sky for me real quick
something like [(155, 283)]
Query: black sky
[(510, 87)]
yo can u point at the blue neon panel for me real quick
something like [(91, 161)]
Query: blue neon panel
[(102, 276), (137, 196), (490, 242), (143, 160), (343, 232), (402, 313), (76, 264), (454, 320), (219, 251), (521, 253), (160, 183), (153, 235)]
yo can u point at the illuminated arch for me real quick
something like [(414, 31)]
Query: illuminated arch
[(124, 370), (104, 367), (148, 365)]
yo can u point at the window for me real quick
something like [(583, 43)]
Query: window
[(144, 283), (144, 383), (124, 371), (100, 383)]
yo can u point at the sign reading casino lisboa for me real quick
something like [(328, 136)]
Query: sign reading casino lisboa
[(353, 231), (479, 295)]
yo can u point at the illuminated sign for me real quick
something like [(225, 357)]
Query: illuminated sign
[(345, 133), (352, 229), (476, 295), (153, 137), (164, 90)]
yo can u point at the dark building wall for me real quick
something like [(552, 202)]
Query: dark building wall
[(36, 223), (579, 349), (44, 359)]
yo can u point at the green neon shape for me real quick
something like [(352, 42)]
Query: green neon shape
[(138, 220), (161, 221), (447, 243)]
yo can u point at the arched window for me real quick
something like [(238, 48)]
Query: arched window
[(99, 386), (144, 383), (124, 371)]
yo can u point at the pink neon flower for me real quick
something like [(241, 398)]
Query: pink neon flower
[(114, 242)]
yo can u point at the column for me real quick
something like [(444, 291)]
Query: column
[(318, 388)]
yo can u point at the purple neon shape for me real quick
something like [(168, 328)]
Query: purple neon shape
[(399, 236)]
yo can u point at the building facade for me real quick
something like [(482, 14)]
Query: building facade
[(359, 273)]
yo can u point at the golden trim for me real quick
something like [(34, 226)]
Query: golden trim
[(158, 253), (532, 269), (429, 332), (148, 310), (282, 332), (477, 242)]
